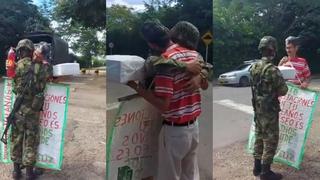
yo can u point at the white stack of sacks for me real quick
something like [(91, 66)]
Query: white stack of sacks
[(288, 73), (65, 69), (124, 68)]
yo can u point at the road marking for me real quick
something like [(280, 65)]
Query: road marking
[(237, 106), (112, 106), (73, 83)]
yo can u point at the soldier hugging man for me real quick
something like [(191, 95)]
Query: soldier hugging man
[(267, 85), (29, 85)]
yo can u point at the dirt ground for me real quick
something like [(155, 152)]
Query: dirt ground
[(234, 163), (84, 151)]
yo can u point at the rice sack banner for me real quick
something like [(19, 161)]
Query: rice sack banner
[(53, 120), (295, 119), (133, 141)]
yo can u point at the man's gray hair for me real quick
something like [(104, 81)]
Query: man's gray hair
[(293, 40), (44, 49)]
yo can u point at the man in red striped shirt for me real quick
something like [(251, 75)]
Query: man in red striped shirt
[(299, 64), (179, 137)]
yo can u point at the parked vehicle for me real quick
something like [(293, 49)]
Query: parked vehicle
[(59, 49), (239, 76)]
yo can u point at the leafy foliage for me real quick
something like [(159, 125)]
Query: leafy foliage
[(89, 13), (239, 25), (18, 17), (123, 23), (81, 29)]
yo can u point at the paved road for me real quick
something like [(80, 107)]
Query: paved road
[(233, 113), (115, 91)]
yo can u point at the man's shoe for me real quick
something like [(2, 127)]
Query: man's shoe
[(16, 173), (257, 167), (267, 174), (30, 174), (38, 171)]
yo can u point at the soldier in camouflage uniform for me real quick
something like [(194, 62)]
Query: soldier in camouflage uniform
[(41, 54), (186, 35), (267, 85), (25, 132)]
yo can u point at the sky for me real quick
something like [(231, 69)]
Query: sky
[(54, 24), (137, 5), (37, 2)]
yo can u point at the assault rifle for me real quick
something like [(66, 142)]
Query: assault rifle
[(17, 104)]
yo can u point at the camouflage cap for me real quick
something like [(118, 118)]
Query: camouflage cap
[(268, 42), (25, 43), (185, 34)]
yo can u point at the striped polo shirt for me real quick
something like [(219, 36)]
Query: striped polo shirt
[(184, 106), (302, 69)]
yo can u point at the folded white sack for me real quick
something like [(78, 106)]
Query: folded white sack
[(124, 68), (66, 69), (287, 72)]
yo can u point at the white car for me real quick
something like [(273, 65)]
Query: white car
[(239, 76)]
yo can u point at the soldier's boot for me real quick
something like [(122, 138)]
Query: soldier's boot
[(38, 171), (16, 173), (267, 174), (30, 174), (257, 167)]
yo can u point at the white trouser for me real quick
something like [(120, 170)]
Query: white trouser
[(178, 153)]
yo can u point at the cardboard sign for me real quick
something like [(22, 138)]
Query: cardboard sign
[(133, 141), (295, 119), (53, 121)]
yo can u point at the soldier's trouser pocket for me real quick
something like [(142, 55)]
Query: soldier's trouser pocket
[(37, 102)]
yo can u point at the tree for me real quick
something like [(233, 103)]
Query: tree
[(18, 17), (240, 24), (81, 29), (123, 23), (94, 16), (123, 30)]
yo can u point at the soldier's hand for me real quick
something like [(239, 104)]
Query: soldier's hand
[(133, 85), (194, 83), (194, 67)]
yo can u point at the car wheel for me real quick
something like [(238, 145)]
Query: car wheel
[(244, 81)]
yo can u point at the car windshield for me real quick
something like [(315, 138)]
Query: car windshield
[(242, 67)]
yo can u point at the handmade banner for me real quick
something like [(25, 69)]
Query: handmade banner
[(295, 119), (133, 141), (53, 120)]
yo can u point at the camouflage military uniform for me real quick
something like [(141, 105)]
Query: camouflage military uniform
[(186, 35), (48, 69), (268, 84), (25, 132)]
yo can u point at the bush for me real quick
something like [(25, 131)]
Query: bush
[(98, 63), (84, 62)]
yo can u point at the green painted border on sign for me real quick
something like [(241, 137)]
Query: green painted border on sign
[(110, 138), (308, 127), (59, 164), (42, 165), (296, 165), (2, 121), (8, 159), (64, 126)]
